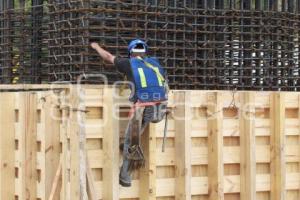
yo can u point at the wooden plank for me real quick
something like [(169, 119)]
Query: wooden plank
[(73, 130), (215, 146), (247, 145), (20, 98), (199, 186), (49, 86), (77, 147), (278, 172), (199, 155), (28, 128), (56, 183), (182, 117), (51, 140), (30, 145), (148, 173), (41, 151), (32, 86), (90, 183), (7, 146), (65, 147), (81, 115), (110, 147)]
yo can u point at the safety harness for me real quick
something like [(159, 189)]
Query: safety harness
[(160, 77)]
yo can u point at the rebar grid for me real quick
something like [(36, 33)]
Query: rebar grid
[(221, 44), (22, 42)]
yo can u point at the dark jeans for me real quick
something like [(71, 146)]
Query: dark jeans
[(143, 116)]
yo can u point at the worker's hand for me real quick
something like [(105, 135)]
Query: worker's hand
[(94, 45), (105, 55)]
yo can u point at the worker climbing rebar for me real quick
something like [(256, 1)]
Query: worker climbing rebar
[(149, 96)]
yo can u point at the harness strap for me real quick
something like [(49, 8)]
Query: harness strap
[(141, 104), (155, 69)]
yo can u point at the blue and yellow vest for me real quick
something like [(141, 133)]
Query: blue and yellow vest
[(149, 80)]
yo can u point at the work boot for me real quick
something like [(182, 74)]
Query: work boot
[(124, 176), (121, 145), (124, 183)]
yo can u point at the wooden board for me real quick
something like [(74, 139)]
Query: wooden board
[(278, 148), (110, 148), (7, 146), (247, 147), (215, 147), (182, 146)]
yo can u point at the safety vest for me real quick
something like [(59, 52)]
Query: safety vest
[(149, 80)]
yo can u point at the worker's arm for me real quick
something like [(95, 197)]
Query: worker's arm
[(105, 55)]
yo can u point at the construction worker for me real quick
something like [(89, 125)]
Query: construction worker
[(149, 96)]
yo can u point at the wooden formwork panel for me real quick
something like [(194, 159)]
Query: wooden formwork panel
[(220, 145), (30, 145)]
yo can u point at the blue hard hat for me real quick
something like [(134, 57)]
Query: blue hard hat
[(134, 43)]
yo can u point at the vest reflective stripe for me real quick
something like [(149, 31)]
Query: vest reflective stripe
[(142, 77), (158, 74), (158, 77)]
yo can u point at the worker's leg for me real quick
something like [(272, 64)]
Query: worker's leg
[(153, 114), (133, 125), (124, 176), (141, 116)]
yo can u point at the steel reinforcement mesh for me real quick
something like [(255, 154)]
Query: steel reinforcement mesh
[(23, 44), (208, 44)]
